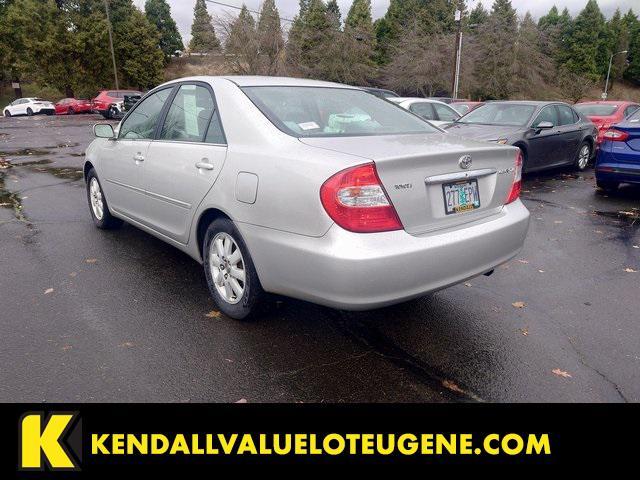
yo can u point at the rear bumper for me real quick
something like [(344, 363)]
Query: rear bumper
[(363, 271), (618, 172)]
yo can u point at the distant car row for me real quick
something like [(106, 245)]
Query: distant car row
[(108, 103)]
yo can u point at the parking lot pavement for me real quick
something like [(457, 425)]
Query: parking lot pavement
[(89, 315)]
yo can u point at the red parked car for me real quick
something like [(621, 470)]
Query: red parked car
[(105, 99), (464, 106), (70, 106), (604, 113)]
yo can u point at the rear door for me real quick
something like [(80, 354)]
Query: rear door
[(545, 145), (570, 132), (122, 160), (184, 161)]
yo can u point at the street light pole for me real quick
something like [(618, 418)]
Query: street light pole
[(113, 55), (456, 58), (606, 85)]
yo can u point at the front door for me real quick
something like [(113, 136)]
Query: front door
[(184, 161), (122, 164), (545, 145)]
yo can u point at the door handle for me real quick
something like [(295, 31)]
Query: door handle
[(204, 166), (138, 157)]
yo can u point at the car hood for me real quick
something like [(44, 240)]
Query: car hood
[(483, 132)]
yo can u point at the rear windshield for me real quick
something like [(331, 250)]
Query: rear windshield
[(500, 114), (595, 110), (333, 112)]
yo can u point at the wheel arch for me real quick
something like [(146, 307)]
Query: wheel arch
[(87, 166), (205, 219)]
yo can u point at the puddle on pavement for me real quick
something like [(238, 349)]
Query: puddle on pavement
[(10, 200), (630, 218), (25, 152)]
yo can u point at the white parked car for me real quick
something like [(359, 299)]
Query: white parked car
[(437, 113), (29, 106)]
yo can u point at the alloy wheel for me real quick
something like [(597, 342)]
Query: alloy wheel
[(227, 268), (583, 156), (95, 194)]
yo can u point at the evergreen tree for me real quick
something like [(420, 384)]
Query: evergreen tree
[(270, 37), (617, 41), (333, 14), (478, 15), (242, 44), (203, 35), (496, 51), (359, 16), (632, 73), (585, 43), (158, 12)]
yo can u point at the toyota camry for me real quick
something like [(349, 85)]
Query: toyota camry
[(306, 189)]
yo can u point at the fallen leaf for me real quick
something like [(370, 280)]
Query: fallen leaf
[(524, 331), (67, 347), (73, 274), (467, 284), (630, 270), (213, 314), (598, 231), (242, 400), (519, 304), (452, 386), (636, 246), (48, 291), (541, 271), (127, 345), (523, 261), (557, 221), (91, 260), (561, 373)]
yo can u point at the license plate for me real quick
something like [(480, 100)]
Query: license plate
[(461, 196)]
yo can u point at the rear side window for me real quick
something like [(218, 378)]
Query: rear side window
[(630, 109), (445, 113), (142, 122), (565, 115), (189, 115), (548, 114), (424, 109)]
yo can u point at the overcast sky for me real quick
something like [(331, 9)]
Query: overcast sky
[(182, 10)]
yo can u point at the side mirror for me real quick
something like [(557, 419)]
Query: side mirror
[(103, 130), (544, 126)]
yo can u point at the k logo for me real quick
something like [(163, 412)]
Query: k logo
[(45, 442)]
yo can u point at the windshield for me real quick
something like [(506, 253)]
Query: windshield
[(596, 110), (500, 114), (333, 112)]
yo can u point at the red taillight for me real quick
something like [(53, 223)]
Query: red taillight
[(614, 135), (356, 200), (516, 187)]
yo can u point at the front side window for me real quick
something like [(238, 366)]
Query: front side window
[(446, 113), (500, 114), (630, 109), (189, 115), (424, 109), (333, 112), (141, 122), (565, 115), (548, 114)]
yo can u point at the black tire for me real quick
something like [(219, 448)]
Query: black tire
[(29, 112), (71, 111), (7, 113), (607, 186), (247, 305), (579, 164), (108, 221)]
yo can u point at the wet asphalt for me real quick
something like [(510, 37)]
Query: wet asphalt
[(88, 315)]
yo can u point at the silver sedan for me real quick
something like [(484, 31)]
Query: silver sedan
[(307, 189)]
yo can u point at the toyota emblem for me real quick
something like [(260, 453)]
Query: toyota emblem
[(465, 161)]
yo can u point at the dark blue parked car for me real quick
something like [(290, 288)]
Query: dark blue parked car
[(619, 155)]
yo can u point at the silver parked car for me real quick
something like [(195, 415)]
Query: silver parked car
[(307, 189)]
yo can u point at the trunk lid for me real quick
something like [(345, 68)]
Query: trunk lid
[(414, 168), (621, 153)]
